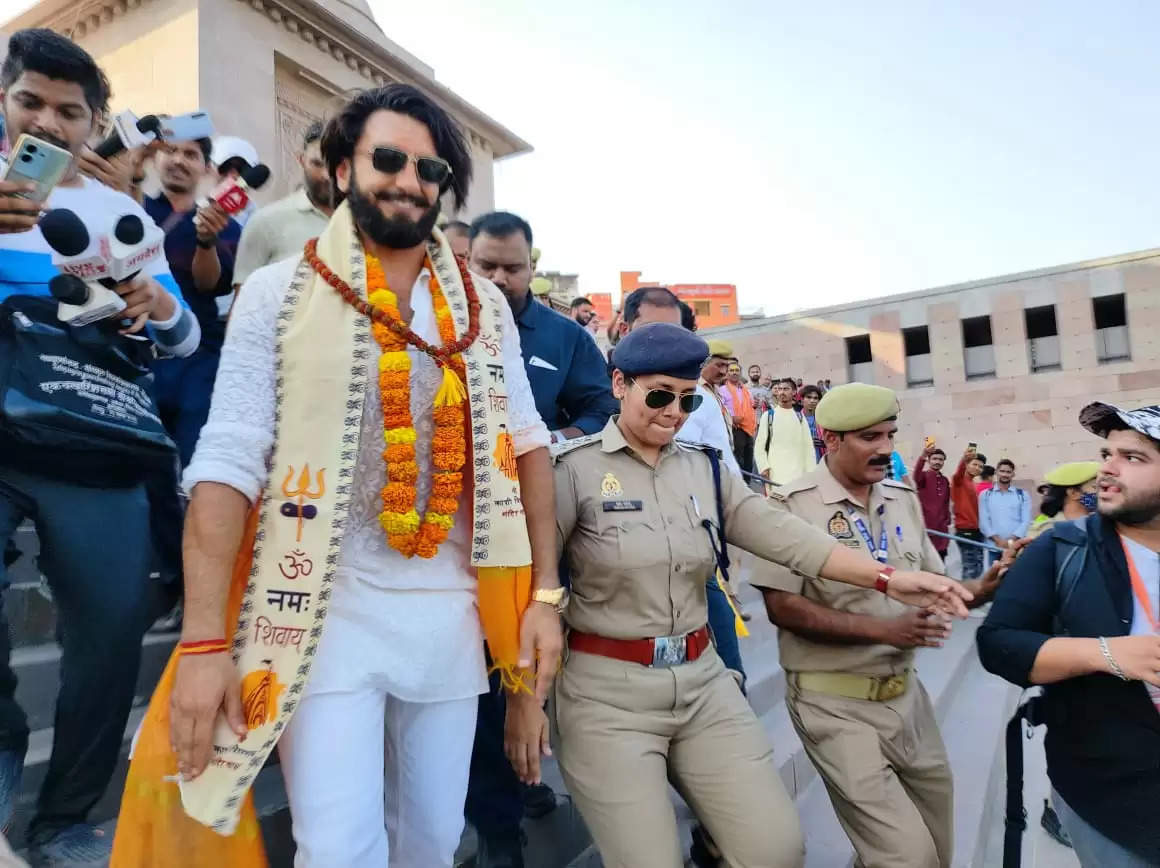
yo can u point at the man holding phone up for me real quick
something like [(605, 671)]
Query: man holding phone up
[(95, 541)]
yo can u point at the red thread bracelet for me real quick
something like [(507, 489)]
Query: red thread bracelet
[(205, 646)]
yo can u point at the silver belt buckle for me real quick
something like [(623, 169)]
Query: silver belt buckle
[(670, 651)]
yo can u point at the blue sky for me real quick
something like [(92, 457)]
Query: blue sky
[(811, 153)]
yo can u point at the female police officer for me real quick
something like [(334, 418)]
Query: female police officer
[(642, 698)]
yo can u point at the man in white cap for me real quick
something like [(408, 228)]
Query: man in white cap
[(231, 156)]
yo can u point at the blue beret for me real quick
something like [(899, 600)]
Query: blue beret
[(661, 348)]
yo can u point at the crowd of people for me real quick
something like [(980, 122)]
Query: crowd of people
[(426, 533)]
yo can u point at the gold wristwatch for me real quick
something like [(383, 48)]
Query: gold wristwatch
[(557, 598)]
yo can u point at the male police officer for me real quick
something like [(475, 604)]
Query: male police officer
[(864, 719)]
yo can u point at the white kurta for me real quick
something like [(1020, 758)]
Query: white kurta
[(418, 617)]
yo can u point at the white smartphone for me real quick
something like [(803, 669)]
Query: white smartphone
[(37, 161)]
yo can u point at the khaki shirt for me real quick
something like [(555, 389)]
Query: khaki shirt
[(638, 554), (819, 499), (277, 232)]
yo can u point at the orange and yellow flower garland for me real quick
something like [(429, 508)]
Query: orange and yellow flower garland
[(405, 532)]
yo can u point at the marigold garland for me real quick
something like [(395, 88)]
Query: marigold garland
[(405, 531)]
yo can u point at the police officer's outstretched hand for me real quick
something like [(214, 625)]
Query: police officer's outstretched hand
[(927, 590), (918, 628)]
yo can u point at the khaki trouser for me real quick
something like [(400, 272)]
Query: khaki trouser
[(624, 731), (886, 770)]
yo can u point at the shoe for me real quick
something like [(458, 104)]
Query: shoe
[(11, 770), (1051, 825), (79, 846), (500, 854), (704, 852), (539, 801)]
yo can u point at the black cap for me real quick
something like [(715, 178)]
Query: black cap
[(661, 348)]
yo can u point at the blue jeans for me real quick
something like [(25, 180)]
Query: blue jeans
[(971, 556), (183, 388), (95, 553), (724, 628), (1093, 848)]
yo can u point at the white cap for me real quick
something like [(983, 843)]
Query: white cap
[(228, 147)]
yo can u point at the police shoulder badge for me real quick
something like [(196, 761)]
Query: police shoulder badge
[(610, 486), (839, 526)]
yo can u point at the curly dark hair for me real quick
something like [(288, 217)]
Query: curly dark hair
[(345, 128)]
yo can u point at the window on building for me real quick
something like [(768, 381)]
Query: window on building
[(1111, 318), (978, 348), (724, 310), (859, 359), (916, 343), (1042, 338), (702, 308)]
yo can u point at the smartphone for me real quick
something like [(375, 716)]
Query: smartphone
[(928, 443), (38, 161), (973, 447)]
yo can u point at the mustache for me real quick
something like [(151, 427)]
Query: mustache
[(880, 462), (51, 139)]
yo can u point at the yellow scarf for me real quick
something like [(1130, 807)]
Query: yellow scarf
[(324, 351)]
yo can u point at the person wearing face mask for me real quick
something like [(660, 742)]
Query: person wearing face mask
[(864, 718), (1072, 495), (642, 698)]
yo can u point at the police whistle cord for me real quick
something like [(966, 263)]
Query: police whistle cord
[(958, 539)]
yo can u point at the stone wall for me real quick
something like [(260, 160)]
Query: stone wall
[(1028, 417)]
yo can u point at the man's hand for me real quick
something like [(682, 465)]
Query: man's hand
[(1137, 656), (525, 736), (541, 642), (204, 686), (145, 299), (18, 213), (116, 172), (927, 590), (999, 541), (211, 221), (918, 628)]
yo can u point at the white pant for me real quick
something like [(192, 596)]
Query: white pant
[(337, 773)]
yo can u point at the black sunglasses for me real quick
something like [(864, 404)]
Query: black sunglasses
[(391, 161), (654, 399)]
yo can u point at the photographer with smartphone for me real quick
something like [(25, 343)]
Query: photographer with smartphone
[(94, 535)]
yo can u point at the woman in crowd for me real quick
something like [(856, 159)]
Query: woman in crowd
[(643, 699)]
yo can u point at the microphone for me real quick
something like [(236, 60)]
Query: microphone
[(80, 303), (233, 196), (118, 257), (128, 132)]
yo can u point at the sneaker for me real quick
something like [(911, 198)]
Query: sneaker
[(1051, 825), (11, 770), (539, 801), (79, 846)]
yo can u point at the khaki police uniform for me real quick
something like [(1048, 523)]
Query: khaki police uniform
[(864, 718), (638, 556)]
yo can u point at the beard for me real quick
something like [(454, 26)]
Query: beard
[(319, 192), (397, 233), (1134, 510)]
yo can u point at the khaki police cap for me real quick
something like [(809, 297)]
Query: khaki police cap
[(855, 406), (724, 349), (1073, 473)]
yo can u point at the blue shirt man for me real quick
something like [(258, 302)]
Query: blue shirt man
[(574, 397), (201, 245), (567, 373), (1004, 512)]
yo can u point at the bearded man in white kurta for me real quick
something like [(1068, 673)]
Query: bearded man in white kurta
[(372, 402)]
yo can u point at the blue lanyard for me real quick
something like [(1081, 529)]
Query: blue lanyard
[(880, 553)]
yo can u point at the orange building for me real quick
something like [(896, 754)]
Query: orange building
[(715, 304)]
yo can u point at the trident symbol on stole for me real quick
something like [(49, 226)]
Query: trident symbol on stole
[(303, 491)]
